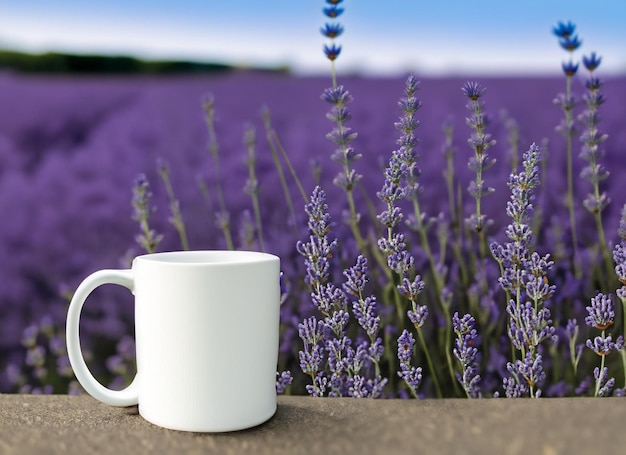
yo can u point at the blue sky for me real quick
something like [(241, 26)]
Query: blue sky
[(381, 37)]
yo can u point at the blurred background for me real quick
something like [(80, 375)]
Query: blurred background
[(444, 37), (94, 94)]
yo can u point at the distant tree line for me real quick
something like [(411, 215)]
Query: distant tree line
[(62, 63)]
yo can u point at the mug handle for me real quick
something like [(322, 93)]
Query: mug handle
[(125, 397)]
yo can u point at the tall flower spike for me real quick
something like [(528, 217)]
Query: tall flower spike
[(331, 31), (466, 352), (570, 42), (601, 316), (412, 376), (592, 139), (480, 142), (147, 238)]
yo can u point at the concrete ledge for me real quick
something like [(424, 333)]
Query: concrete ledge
[(80, 425)]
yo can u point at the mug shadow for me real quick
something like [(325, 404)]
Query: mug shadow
[(286, 419)]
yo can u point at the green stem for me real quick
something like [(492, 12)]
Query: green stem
[(177, 219), (570, 176), (254, 184), (429, 361), (292, 171), (438, 290)]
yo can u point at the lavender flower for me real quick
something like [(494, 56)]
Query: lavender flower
[(601, 316), (364, 309), (592, 62), (329, 358), (604, 383), (564, 30), (525, 377), (467, 354), (575, 350), (524, 276), (147, 238), (605, 345), (344, 154), (176, 217), (601, 312), (514, 255), (592, 140), (412, 376), (480, 143), (283, 380), (570, 42), (252, 183), (319, 249), (332, 31)]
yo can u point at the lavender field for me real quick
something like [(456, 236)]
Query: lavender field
[(71, 149)]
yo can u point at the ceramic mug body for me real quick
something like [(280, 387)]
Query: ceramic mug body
[(206, 327)]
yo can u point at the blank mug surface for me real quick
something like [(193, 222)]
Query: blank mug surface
[(206, 327)]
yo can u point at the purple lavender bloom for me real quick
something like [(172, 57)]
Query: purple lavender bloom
[(340, 357), (480, 142), (364, 311), (564, 29), (147, 238), (526, 377), (400, 262), (366, 388), (318, 250), (356, 277), (337, 322), (619, 256), (311, 360), (283, 380), (473, 90), (532, 371), (418, 316), (467, 354), (412, 376), (528, 326), (328, 298), (411, 289), (338, 96), (310, 331), (605, 345), (318, 388), (524, 275), (406, 343), (333, 11), (514, 256), (570, 43), (601, 312), (569, 68), (319, 222), (332, 31), (332, 51), (537, 288), (605, 383), (342, 136), (621, 232), (592, 62)]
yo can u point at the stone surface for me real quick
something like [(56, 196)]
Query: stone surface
[(302, 425)]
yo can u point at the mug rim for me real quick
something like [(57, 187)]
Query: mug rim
[(207, 257)]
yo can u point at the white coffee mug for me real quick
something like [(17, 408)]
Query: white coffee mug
[(206, 328)]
